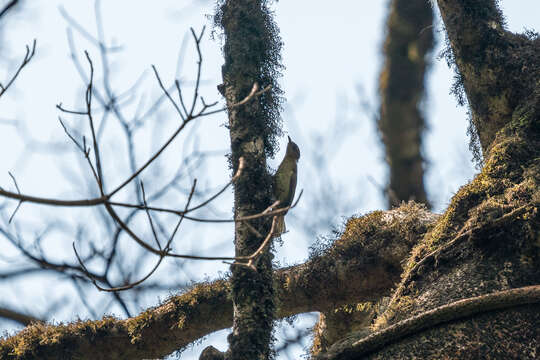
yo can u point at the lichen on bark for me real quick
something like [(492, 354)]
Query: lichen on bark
[(252, 55)]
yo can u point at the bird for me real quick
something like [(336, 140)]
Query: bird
[(284, 183)]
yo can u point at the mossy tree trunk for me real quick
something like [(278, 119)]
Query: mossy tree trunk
[(487, 242), (251, 52)]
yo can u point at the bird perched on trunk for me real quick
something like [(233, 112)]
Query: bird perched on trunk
[(285, 183)]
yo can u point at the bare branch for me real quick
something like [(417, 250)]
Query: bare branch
[(29, 55), (82, 148), (20, 317), (169, 95), (8, 6), (199, 63), (88, 99), (83, 31), (75, 112), (150, 217), (20, 202)]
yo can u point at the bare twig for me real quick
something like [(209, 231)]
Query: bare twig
[(20, 202), (177, 84), (190, 197), (150, 217), (253, 257), (266, 213), (199, 63), (27, 57), (83, 31), (88, 99), (120, 288), (82, 148), (8, 6), (241, 165), (166, 92), (74, 112)]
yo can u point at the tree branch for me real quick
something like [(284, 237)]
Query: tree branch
[(18, 316), (8, 6), (362, 265)]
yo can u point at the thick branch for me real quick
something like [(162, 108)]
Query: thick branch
[(150, 334), (362, 265)]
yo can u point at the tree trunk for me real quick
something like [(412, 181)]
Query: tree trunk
[(409, 41), (251, 51), (470, 281)]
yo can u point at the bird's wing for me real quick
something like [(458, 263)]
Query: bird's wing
[(292, 189)]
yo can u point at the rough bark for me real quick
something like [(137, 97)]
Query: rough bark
[(335, 324), (496, 69), (252, 55), (352, 348), (407, 48), (361, 266)]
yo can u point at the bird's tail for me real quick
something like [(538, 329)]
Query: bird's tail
[(280, 227)]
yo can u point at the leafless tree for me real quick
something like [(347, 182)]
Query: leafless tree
[(103, 104)]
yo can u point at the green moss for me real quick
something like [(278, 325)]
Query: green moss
[(378, 225), (40, 340), (509, 180), (499, 184), (252, 51), (137, 324), (403, 305), (357, 227)]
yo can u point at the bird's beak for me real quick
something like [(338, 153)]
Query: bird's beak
[(289, 138)]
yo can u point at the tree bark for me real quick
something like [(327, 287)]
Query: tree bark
[(486, 243), (252, 55)]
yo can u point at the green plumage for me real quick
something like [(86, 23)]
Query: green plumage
[(285, 182)]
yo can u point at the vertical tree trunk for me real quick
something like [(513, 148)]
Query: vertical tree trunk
[(409, 41), (251, 52)]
